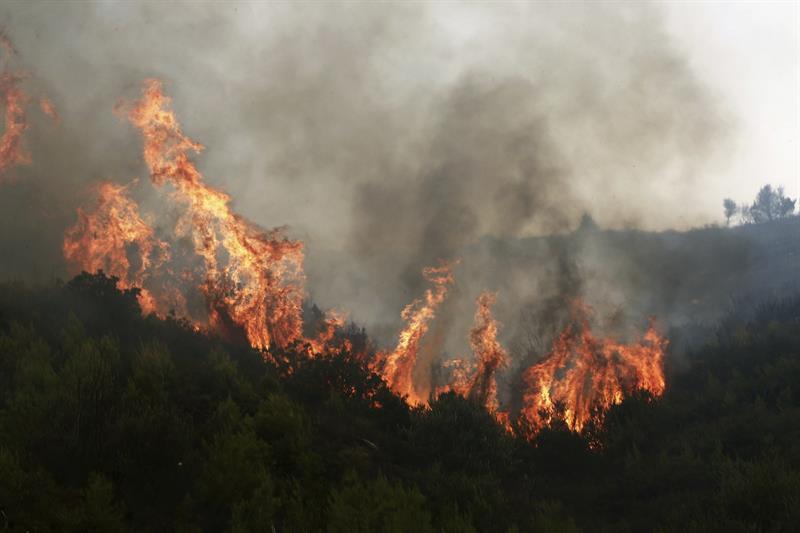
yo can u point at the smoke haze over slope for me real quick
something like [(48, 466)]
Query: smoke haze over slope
[(385, 136)]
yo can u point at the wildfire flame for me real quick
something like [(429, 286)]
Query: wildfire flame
[(253, 279), (12, 152), (250, 277), (100, 240), (397, 366), (260, 284), (487, 351), (478, 379), (584, 372), (324, 340), (14, 102), (48, 108)]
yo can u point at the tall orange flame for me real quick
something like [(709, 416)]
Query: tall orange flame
[(100, 240), (253, 279), (584, 373), (49, 108), (477, 379), (14, 103), (12, 152), (259, 284), (324, 340), (397, 366), (250, 277), (488, 353)]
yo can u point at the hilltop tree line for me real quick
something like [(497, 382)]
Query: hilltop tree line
[(110, 421), (770, 204)]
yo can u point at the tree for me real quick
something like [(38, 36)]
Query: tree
[(745, 214), (100, 511), (587, 223), (377, 506), (730, 210), (771, 204), (787, 206), (146, 425)]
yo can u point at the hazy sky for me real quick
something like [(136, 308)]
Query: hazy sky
[(750, 53), (284, 94), (389, 135)]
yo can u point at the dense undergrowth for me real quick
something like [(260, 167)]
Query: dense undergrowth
[(114, 422)]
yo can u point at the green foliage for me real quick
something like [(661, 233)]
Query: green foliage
[(359, 507), (233, 467), (550, 517), (100, 513), (758, 495), (771, 204), (112, 422), (28, 496)]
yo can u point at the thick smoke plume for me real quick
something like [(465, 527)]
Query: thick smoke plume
[(386, 137)]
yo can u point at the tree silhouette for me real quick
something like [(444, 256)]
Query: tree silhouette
[(771, 204), (114, 422), (730, 210)]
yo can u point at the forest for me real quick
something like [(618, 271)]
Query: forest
[(399, 267), (114, 421)]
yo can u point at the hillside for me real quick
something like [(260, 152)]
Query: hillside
[(114, 422), (687, 280)]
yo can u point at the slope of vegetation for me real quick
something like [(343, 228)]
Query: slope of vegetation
[(114, 422)]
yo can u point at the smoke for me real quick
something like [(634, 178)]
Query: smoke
[(385, 136)]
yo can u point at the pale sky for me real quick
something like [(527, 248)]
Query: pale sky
[(318, 101), (403, 132), (749, 53), (746, 53)]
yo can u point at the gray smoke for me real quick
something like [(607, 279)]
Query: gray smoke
[(386, 136)]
